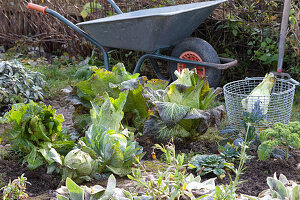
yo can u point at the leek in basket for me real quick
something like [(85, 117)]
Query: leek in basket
[(261, 93)]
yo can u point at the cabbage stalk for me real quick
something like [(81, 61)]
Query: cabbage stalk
[(261, 93)]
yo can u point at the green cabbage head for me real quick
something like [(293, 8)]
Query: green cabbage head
[(79, 165)]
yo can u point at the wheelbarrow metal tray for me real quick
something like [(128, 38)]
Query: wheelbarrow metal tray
[(150, 29)]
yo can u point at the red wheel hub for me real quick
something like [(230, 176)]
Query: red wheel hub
[(190, 55)]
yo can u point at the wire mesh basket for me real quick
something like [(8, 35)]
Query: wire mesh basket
[(277, 107)]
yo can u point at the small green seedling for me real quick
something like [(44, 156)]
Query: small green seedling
[(16, 189)]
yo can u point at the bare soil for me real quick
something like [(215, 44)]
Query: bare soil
[(256, 172), (40, 181)]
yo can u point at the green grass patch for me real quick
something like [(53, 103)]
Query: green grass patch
[(56, 78)]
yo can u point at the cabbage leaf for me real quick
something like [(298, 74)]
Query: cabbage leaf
[(180, 109)]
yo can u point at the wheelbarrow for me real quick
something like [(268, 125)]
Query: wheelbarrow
[(153, 30)]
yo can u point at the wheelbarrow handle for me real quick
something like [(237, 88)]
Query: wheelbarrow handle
[(72, 26), (36, 7), (114, 5)]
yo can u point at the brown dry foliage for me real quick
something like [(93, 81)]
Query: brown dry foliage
[(18, 25), (27, 27)]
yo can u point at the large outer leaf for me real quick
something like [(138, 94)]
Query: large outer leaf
[(110, 189), (101, 83), (50, 154), (209, 117), (16, 113), (196, 114), (130, 84), (277, 186), (171, 113), (85, 87), (191, 90), (136, 103), (120, 70), (158, 129), (60, 197), (154, 95), (76, 192), (136, 108), (186, 95), (34, 159), (295, 193), (176, 92), (110, 114)]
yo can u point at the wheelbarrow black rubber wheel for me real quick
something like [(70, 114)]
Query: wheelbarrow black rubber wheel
[(198, 50)]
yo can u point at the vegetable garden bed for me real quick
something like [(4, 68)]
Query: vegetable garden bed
[(116, 122), (43, 186)]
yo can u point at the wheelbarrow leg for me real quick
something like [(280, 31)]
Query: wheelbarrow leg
[(157, 71), (153, 63)]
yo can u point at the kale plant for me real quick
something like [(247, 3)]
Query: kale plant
[(250, 122), (286, 135)]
